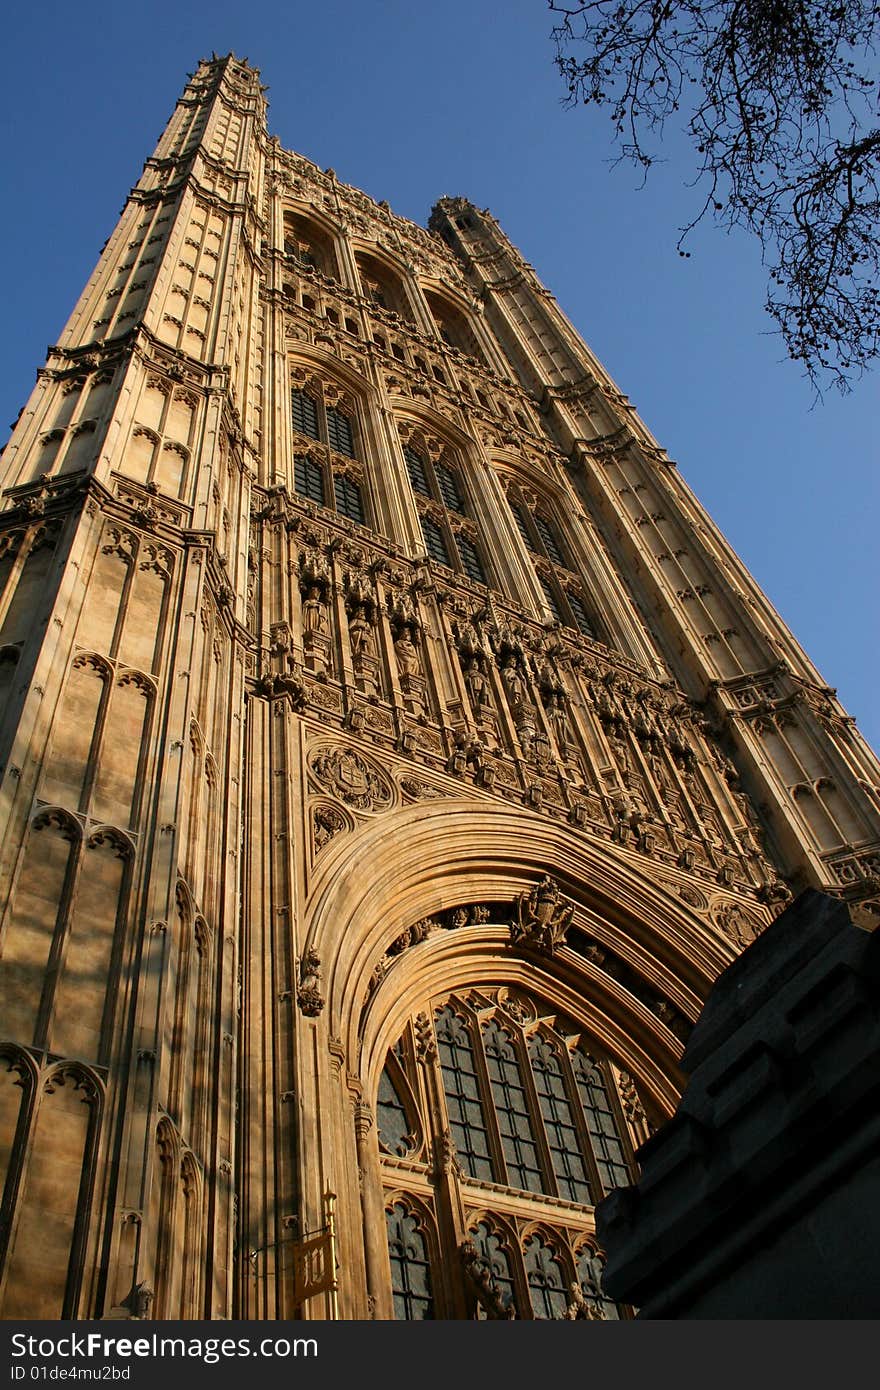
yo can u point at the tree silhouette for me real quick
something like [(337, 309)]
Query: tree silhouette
[(779, 98)]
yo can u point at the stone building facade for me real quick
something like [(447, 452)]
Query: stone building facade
[(393, 754)]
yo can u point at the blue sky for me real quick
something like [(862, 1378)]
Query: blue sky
[(409, 102)]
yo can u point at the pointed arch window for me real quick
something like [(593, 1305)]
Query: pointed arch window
[(547, 1283), (558, 582), (527, 1117), (304, 413), (602, 1123), (322, 475), (449, 539), (556, 1111), (411, 1283), (307, 246), (494, 1260), (512, 1107), (392, 1121)]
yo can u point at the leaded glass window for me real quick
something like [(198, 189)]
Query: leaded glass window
[(348, 498), (559, 1124), (304, 412), (495, 1260), (601, 1122), (308, 478), (546, 1280), (464, 1102), (512, 1107), (525, 1125), (391, 1118), (590, 1268), (410, 1266)]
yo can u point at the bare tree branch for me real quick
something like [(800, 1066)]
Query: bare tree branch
[(780, 100)]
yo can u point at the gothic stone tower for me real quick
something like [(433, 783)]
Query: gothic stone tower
[(393, 753)]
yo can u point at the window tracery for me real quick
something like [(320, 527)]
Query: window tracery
[(551, 561), (326, 468), (308, 246), (513, 1100), (449, 534), (453, 327), (382, 289)]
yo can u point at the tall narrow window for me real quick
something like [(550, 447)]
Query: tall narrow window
[(392, 1121), (559, 1125), (448, 541), (512, 1108), (471, 562), (348, 499), (435, 541), (321, 475), (463, 1100), (410, 1266), (602, 1122), (339, 433), (304, 412), (415, 467), (308, 478), (558, 583), (495, 1263)]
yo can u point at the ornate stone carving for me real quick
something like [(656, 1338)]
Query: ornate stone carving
[(737, 923), (327, 821), (541, 917), (351, 778), (479, 1276), (308, 992)]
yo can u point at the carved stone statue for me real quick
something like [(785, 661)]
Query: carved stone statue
[(308, 994), (408, 663), (360, 635), (314, 616)]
